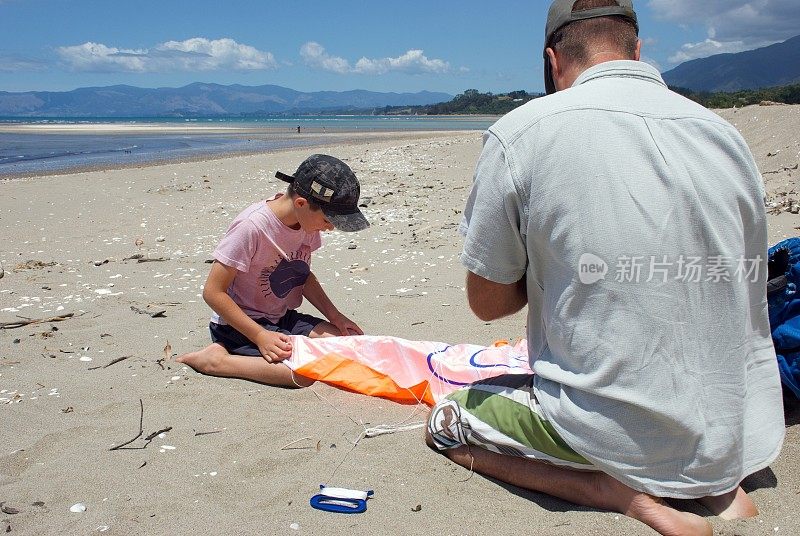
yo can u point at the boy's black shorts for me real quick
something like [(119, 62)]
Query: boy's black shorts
[(292, 323)]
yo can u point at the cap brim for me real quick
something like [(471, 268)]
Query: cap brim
[(349, 223), (284, 177)]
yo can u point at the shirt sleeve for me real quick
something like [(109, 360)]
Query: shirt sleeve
[(315, 241), (238, 246), (494, 246)]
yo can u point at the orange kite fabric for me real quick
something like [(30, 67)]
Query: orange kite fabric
[(405, 371)]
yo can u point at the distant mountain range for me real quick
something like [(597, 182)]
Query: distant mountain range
[(199, 99), (775, 65)]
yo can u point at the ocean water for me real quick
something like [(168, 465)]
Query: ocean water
[(52, 150)]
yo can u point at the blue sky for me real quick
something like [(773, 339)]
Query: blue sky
[(339, 45)]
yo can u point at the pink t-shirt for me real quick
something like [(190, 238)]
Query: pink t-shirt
[(272, 261)]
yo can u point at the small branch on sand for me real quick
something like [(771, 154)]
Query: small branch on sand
[(112, 362), (167, 356), (29, 321), (153, 259), (207, 433), (141, 430), (152, 314), (156, 434), (288, 446), (148, 439)]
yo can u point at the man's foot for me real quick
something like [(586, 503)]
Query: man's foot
[(651, 511), (732, 505)]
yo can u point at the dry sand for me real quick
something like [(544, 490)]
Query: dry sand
[(65, 244)]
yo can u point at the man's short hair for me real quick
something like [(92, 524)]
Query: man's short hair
[(578, 40)]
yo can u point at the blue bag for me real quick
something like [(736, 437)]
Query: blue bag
[(784, 309)]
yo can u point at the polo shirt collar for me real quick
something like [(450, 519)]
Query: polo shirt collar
[(621, 69)]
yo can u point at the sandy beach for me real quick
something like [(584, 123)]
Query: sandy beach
[(243, 458)]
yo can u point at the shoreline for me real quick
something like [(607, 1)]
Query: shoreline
[(321, 140)]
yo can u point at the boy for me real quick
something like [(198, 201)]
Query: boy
[(262, 273)]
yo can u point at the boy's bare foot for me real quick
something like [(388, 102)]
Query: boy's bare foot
[(732, 505), (651, 511), (208, 360)]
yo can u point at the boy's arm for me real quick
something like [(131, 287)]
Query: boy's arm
[(273, 346), (314, 293)]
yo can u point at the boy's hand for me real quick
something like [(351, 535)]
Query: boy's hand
[(274, 347), (346, 326)]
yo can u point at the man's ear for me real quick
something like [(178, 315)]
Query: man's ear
[(638, 53), (555, 71), (300, 202)]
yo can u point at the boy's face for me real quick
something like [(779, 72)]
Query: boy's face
[(310, 220)]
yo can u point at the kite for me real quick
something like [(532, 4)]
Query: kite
[(408, 372)]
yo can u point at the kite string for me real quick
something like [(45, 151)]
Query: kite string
[(383, 429)]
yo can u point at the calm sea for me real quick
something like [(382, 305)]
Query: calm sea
[(69, 144)]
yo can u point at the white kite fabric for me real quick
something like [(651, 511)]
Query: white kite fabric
[(402, 370)]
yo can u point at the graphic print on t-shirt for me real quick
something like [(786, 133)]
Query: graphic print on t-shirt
[(287, 274)]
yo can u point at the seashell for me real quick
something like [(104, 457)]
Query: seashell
[(77, 508)]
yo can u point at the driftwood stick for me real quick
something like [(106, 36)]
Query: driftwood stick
[(112, 362), (141, 429), (207, 433), (288, 446), (155, 434), (27, 322)]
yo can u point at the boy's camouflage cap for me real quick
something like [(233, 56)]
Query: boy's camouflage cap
[(330, 183)]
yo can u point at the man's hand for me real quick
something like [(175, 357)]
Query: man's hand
[(345, 325), (274, 347)]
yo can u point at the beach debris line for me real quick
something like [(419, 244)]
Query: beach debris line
[(29, 321)]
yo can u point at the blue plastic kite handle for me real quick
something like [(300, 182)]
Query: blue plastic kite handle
[(337, 505)]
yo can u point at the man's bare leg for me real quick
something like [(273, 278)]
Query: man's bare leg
[(732, 505), (215, 360), (594, 489)]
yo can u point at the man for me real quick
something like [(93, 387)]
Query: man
[(631, 223)]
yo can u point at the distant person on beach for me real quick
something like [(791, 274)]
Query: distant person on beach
[(631, 222), (262, 272), (298, 129)]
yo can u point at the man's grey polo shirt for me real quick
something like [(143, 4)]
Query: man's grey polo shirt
[(637, 219)]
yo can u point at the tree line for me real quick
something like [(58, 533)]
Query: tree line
[(473, 102)]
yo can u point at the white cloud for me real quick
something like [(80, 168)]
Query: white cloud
[(412, 62), (315, 55), (11, 63), (196, 54), (731, 25), (709, 47)]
